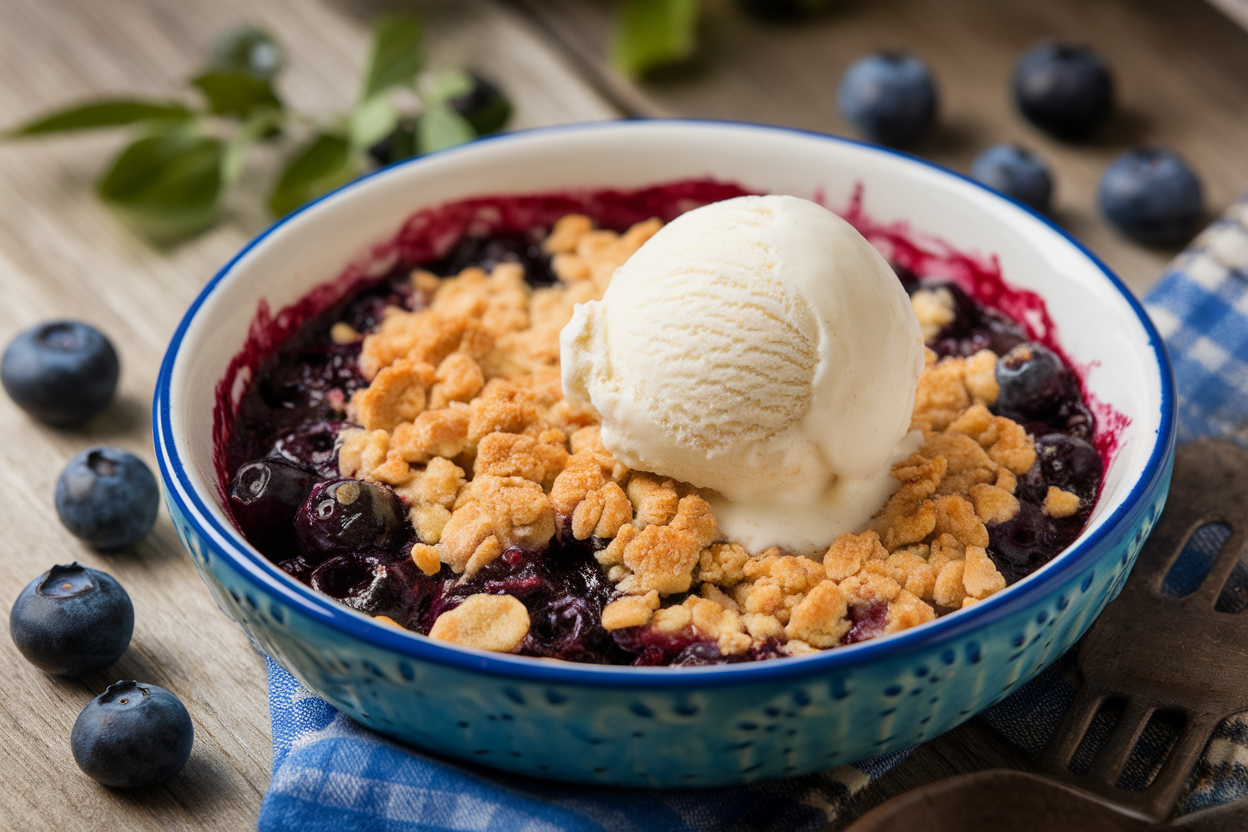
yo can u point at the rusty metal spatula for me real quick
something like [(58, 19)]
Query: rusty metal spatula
[(1153, 651)]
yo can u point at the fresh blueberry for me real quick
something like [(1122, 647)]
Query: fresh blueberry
[(348, 515), (1034, 383), (1063, 88), (247, 49), (264, 497), (61, 372), (889, 96), (72, 620), (397, 145), (132, 735), (1152, 196), (783, 9), (107, 497), (483, 105), (1015, 172)]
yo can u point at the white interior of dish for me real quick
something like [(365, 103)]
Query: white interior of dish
[(1097, 326)]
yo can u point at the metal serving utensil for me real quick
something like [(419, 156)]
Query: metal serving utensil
[(1154, 651)]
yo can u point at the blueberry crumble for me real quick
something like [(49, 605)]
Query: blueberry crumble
[(409, 452)]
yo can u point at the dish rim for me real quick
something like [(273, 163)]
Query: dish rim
[(228, 542)]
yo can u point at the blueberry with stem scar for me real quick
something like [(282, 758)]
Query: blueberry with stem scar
[(61, 372), (72, 620), (132, 735), (107, 497)]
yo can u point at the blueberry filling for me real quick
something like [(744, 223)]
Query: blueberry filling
[(351, 539)]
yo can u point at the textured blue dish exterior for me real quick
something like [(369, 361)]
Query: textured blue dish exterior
[(679, 736), (668, 727)]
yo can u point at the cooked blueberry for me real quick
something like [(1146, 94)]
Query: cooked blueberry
[(367, 309), (909, 280), (299, 568), (72, 620), (264, 497), (1069, 463), (867, 621), (701, 654), (962, 312), (483, 106), (971, 328), (312, 444), (307, 379), (360, 581), (1022, 545), (62, 372), (107, 497), (1063, 88), (1076, 419), (488, 252), (889, 97), (132, 735), (1015, 172), (348, 515), (1034, 383), (1152, 196)]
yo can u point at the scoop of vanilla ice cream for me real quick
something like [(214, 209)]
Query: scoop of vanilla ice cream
[(759, 347)]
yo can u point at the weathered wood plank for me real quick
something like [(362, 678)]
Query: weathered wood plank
[(1181, 70)]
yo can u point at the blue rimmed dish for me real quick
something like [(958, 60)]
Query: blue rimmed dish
[(673, 726)]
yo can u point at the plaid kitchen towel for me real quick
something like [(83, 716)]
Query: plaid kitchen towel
[(331, 774)]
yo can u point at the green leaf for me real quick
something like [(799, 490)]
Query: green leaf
[(167, 185), (113, 113), (371, 121), (235, 93), (440, 127), (261, 124), (448, 84), (322, 165), (396, 55), (480, 102), (649, 33), (248, 49)]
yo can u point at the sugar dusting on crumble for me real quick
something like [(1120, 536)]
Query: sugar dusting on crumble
[(464, 417)]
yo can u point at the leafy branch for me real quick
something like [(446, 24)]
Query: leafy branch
[(168, 182)]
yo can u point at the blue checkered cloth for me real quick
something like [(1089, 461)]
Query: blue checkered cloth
[(331, 774)]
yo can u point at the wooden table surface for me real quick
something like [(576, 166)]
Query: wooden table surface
[(1182, 71)]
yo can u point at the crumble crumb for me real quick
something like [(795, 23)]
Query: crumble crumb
[(1059, 503), (630, 611), (935, 310), (343, 333), (464, 417), (487, 622)]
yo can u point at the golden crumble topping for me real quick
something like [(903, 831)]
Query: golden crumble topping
[(487, 622), (464, 417)]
